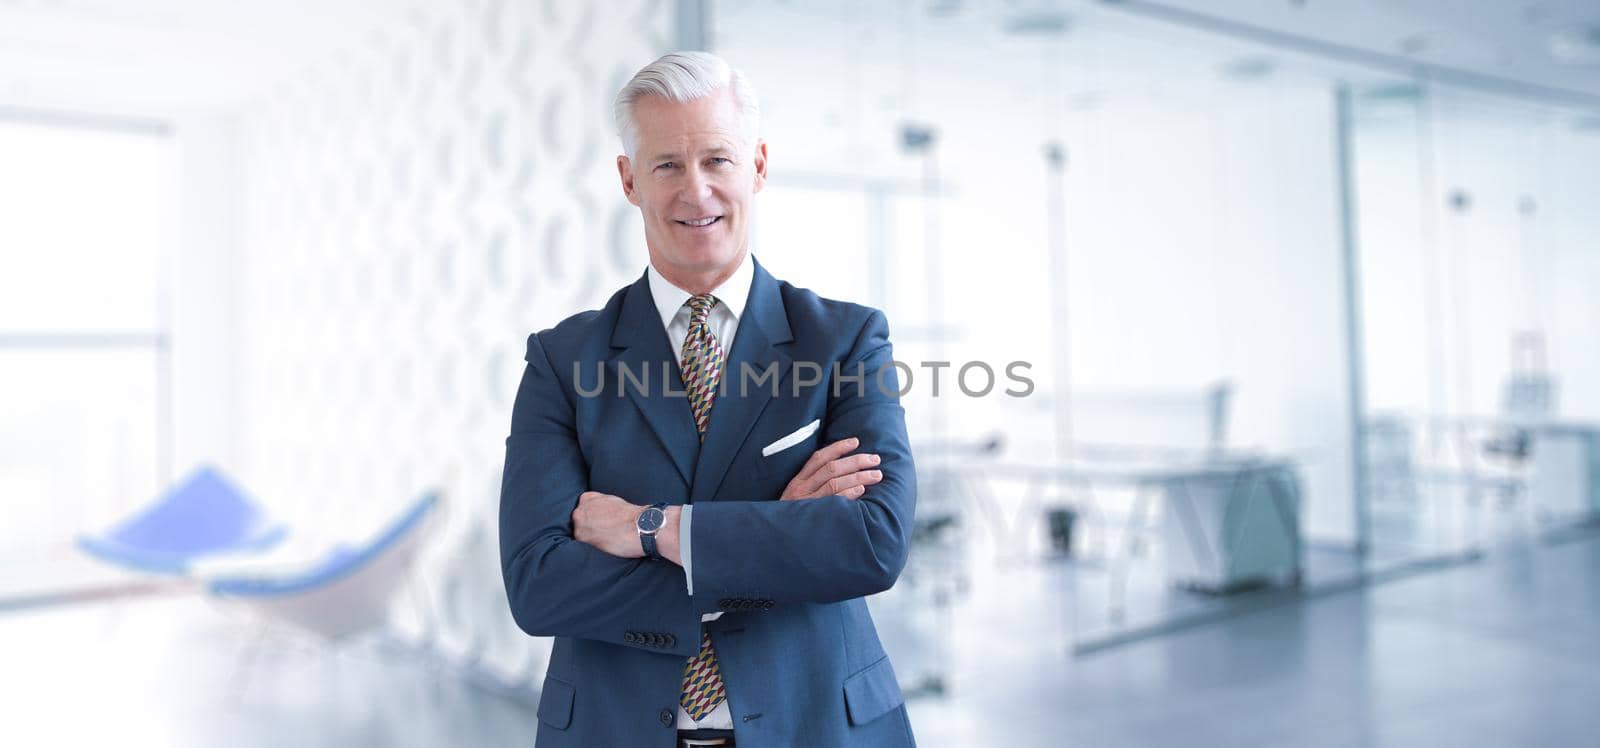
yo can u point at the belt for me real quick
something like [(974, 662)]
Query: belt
[(705, 737)]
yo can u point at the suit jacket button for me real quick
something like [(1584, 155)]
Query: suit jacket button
[(725, 603), (666, 716), (630, 637), (672, 641), (767, 604)]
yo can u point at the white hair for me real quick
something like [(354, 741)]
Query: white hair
[(683, 77)]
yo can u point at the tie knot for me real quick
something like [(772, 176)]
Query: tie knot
[(700, 306)]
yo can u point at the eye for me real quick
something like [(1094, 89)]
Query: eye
[(666, 165), (721, 160)]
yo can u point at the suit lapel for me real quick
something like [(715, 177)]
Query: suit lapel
[(648, 353), (758, 345)]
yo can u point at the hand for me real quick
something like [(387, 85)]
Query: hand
[(830, 472), (611, 524)]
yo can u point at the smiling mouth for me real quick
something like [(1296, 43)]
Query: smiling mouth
[(701, 222)]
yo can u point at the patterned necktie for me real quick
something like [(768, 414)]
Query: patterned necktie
[(702, 369)]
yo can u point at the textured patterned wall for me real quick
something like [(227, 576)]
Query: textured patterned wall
[(414, 208)]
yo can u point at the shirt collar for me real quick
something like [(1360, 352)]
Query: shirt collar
[(732, 294)]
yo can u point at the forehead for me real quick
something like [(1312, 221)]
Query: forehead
[(704, 122)]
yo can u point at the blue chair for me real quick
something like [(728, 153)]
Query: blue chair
[(204, 515), (347, 591)]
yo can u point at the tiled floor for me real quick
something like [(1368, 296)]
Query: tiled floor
[(1505, 651)]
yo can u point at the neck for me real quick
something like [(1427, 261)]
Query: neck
[(699, 283)]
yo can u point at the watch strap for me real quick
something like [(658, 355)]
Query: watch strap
[(647, 540)]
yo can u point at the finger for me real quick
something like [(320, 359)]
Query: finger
[(580, 528), (841, 466), (846, 482), (853, 493), (828, 454), (834, 469)]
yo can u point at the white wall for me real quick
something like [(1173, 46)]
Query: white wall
[(413, 209)]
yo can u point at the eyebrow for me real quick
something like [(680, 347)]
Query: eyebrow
[(717, 151)]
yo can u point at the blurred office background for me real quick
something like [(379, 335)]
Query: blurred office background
[(1305, 290)]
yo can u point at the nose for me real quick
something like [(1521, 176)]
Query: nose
[(698, 186)]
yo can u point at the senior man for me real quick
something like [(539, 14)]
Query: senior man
[(706, 477)]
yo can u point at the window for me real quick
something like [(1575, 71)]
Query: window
[(84, 226)]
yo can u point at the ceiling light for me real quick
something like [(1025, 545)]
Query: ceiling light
[(1037, 23), (1248, 68), (1393, 92)]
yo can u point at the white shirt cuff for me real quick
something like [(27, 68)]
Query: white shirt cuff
[(683, 546), (683, 552)]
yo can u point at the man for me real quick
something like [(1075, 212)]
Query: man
[(706, 476)]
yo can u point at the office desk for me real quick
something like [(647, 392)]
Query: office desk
[(1561, 471), (1230, 523)]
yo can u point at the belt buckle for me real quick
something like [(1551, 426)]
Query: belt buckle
[(694, 742)]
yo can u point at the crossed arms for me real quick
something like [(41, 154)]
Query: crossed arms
[(570, 557)]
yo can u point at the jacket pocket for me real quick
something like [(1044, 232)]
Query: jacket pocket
[(555, 703), (787, 455), (791, 439), (871, 693)]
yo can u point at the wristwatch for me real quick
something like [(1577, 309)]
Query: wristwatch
[(650, 522)]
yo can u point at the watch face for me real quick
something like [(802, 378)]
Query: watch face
[(651, 520)]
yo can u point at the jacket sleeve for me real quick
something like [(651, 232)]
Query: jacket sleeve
[(556, 585), (831, 548)]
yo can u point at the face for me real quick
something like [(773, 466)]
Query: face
[(693, 177)]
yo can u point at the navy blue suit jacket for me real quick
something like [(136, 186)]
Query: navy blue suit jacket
[(796, 645)]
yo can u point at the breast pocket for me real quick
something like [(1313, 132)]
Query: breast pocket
[(784, 455)]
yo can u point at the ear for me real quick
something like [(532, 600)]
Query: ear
[(625, 171), (761, 165)]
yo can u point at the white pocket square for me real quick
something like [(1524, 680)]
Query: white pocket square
[(786, 442)]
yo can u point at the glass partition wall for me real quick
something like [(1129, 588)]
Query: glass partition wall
[(1288, 324), (1477, 226), (1146, 226)]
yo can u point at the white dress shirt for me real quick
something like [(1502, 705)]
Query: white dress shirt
[(672, 304)]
